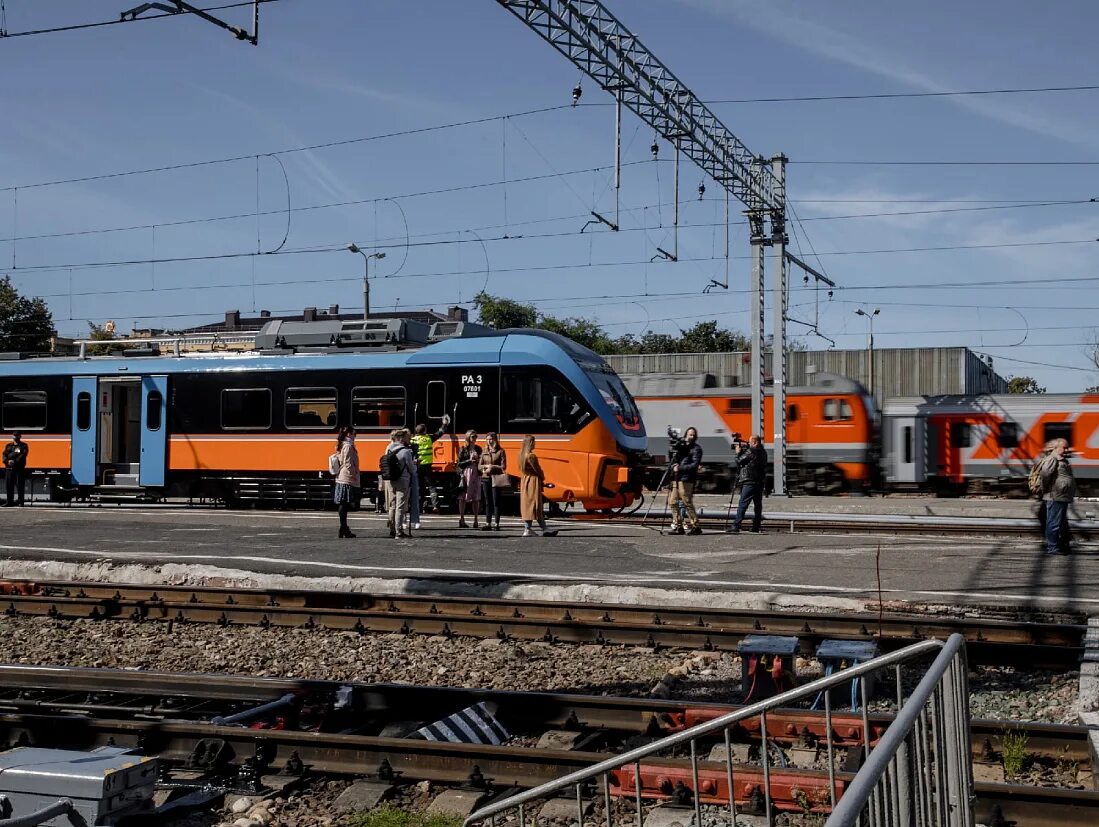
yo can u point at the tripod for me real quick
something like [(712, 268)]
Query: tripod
[(729, 519), (659, 486)]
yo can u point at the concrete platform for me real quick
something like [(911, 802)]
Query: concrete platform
[(614, 562)]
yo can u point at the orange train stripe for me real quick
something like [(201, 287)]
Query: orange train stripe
[(47, 451)]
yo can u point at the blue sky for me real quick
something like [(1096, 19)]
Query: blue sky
[(175, 91)]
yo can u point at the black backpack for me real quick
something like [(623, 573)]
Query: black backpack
[(390, 465)]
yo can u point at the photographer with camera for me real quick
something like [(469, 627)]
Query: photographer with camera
[(751, 463), (685, 461)]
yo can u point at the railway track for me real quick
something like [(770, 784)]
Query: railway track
[(247, 734), (989, 641)]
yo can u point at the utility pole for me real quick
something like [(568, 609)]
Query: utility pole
[(778, 346), (870, 344), (354, 248)]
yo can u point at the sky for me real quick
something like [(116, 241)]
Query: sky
[(450, 145)]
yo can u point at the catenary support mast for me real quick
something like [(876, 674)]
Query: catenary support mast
[(596, 42)]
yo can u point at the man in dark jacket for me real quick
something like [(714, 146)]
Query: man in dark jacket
[(751, 463), (15, 468), (684, 475)]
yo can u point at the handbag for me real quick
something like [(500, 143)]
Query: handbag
[(501, 480)]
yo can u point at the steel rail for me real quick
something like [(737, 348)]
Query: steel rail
[(989, 640), (530, 710), (400, 759), (408, 760)]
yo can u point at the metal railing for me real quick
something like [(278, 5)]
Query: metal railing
[(917, 775)]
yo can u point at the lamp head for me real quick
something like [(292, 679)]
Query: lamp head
[(353, 247), (379, 255), (877, 310), (859, 311)]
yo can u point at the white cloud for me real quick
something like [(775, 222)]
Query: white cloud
[(787, 23)]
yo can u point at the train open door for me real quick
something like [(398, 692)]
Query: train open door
[(84, 432), (154, 431)]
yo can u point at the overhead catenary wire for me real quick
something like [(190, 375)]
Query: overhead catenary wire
[(1018, 90), (549, 219), (74, 27)]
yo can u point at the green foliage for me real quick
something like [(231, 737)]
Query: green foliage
[(392, 817), (1023, 384), (707, 337), (504, 313), (101, 333), (1013, 751), (26, 325), (704, 337)]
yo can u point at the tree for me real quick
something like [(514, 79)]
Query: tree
[(707, 337), (704, 337), (1023, 384), (102, 333), (504, 313), (26, 325)]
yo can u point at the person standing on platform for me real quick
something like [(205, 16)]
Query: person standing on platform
[(1059, 486), (422, 479), (469, 480), (15, 469), (399, 467), (531, 482), (348, 479), (684, 472), (494, 478), (751, 461)]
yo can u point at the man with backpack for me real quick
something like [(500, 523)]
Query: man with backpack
[(1058, 487), (397, 468)]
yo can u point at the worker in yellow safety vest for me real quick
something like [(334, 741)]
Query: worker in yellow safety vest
[(422, 443)]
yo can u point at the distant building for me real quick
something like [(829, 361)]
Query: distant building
[(918, 371)]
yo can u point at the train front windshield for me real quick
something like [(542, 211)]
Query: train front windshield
[(618, 399)]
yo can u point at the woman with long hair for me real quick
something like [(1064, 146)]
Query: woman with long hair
[(531, 481), (469, 482), (348, 480), (494, 478)]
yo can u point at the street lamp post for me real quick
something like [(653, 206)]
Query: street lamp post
[(870, 342), (354, 248)]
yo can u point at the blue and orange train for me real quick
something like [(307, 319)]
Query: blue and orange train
[(258, 426)]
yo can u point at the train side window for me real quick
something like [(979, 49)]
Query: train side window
[(1008, 436), (1058, 430), (908, 444), (436, 399), (961, 434), (540, 405), (245, 409), (154, 406), (24, 411), (792, 413), (83, 411), (379, 409), (837, 410), (311, 408)]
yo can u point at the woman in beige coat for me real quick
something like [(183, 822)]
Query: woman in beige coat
[(531, 481)]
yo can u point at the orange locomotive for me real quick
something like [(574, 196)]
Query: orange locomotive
[(832, 428)]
